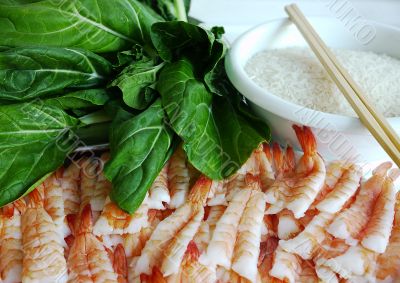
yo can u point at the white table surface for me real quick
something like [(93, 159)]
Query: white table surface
[(239, 15)]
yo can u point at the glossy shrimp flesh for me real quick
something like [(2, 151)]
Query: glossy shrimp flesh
[(345, 187), (286, 266), (264, 162), (288, 225), (220, 248), (376, 235), (54, 202), (191, 271), (217, 194), (357, 261), (175, 251), (11, 242), (94, 186), (162, 235), (159, 193), (114, 220), (237, 182), (307, 242), (206, 229), (71, 188), (88, 259), (247, 246), (388, 263), (298, 192), (179, 178), (350, 222), (43, 258)]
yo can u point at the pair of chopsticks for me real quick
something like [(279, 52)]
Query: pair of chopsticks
[(372, 119)]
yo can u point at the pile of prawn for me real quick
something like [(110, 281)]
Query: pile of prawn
[(278, 219)]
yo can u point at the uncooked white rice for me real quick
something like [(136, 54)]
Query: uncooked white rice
[(296, 75)]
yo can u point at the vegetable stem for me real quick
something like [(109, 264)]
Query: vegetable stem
[(181, 11), (100, 116)]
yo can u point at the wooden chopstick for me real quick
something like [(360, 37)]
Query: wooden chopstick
[(369, 116)]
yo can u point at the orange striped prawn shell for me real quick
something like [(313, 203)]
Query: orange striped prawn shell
[(306, 139), (85, 223), (290, 161), (253, 182), (267, 151), (120, 264), (200, 190), (155, 277), (36, 197)]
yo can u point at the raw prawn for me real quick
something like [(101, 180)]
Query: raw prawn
[(88, 260), (237, 182), (94, 186), (388, 263), (54, 202), (179, 178), (114, 220), (345, 187), (43, 259), (264, 162), (307, 242), (297, 193), (217, 194), (220, 248), (247, 246), (158, 192), (175, 251), (286, 266), (206, 229), (120, 264), (168, 228), (376, 235), (11, 242), (351, 221), (357, 261), (191, 270), (288, 225), (71, 190)]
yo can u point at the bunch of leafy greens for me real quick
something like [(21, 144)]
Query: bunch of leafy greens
[(135, 71)]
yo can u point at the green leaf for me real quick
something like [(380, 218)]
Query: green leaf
[(205, 49), (34, 140), (30, 72), (96, 25), (168, 8), (86, 98), (127, 57), (177, 39), (139, 146), (217, 137), (136, 81)]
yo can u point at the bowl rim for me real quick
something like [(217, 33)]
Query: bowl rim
[(277, 105)]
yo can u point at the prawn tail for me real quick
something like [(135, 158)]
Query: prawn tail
[(20, 204), (253, 182), (290, 159), (200, 190), (85, 221), (306, 139), (119, 262), (278, 157), (267, 151)]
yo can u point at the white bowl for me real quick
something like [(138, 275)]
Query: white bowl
[(338, 136)]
